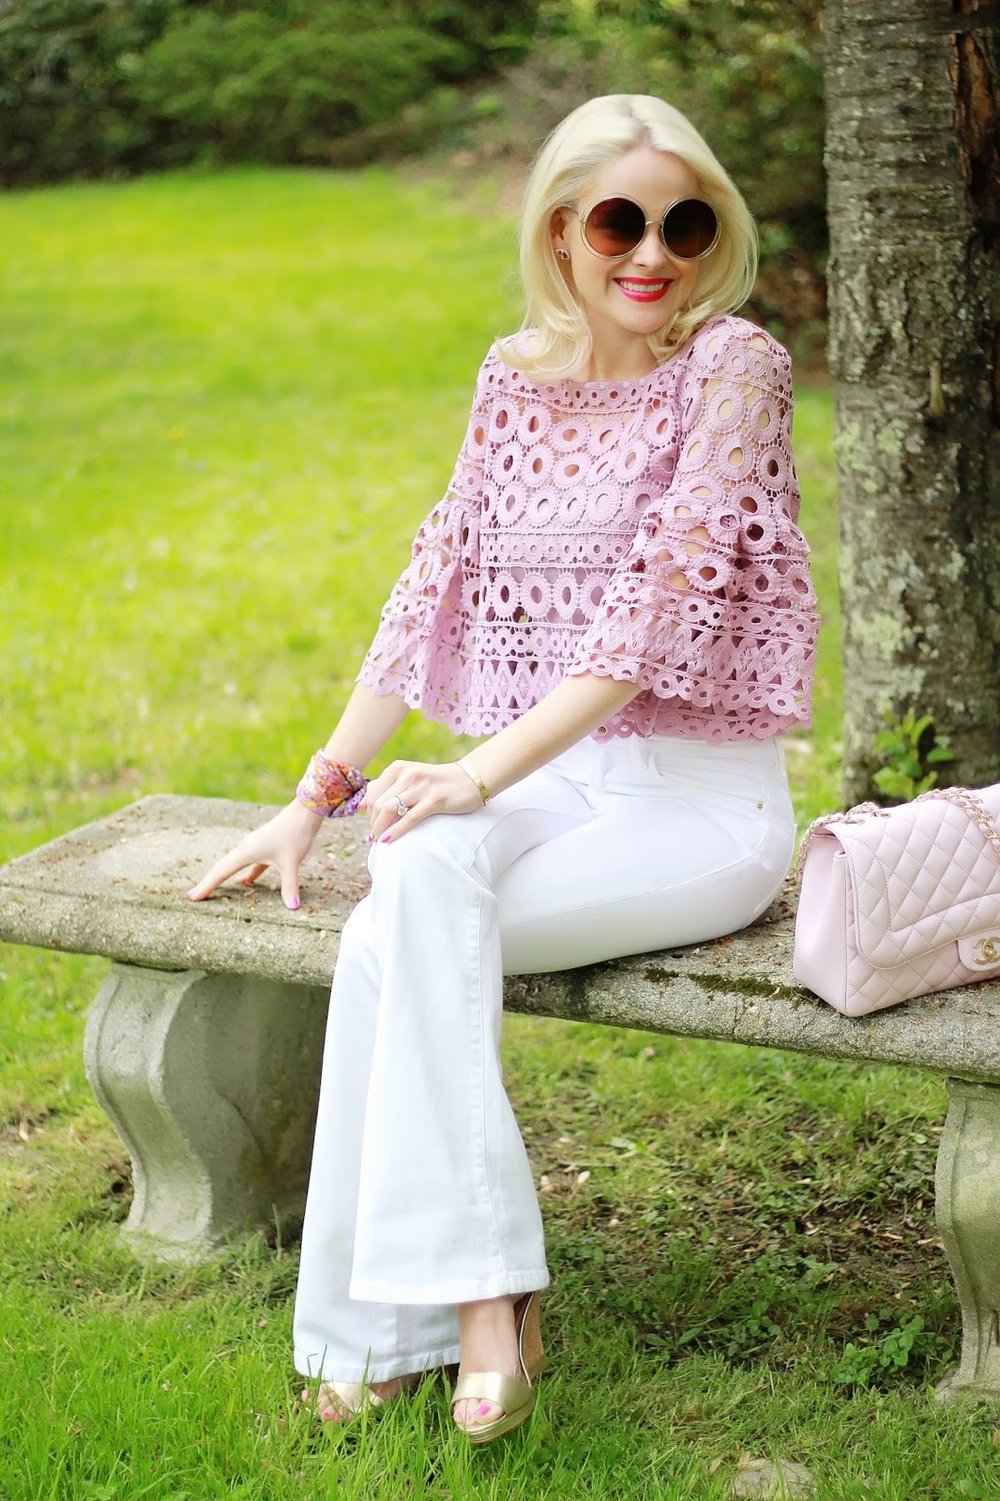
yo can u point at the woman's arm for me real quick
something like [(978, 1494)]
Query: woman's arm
[(565, 715), (572, 710), (284, 841), (368, 720)]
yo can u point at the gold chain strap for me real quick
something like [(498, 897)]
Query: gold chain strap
[(962, 797), (857, 814), (966, 799)]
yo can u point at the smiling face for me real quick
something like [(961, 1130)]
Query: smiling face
[(628, 300)]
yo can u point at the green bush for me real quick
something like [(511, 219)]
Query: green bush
[(66, 86), (251, 87), (500, 31), (93, 87)]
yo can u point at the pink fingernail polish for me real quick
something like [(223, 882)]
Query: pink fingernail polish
[(386, 838), (294, 904)]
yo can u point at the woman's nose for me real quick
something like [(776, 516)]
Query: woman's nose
[(651, 251)]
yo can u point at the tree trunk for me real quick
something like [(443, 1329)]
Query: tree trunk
[(913, 157)]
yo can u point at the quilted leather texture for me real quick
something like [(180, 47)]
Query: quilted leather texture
[(887, 899)]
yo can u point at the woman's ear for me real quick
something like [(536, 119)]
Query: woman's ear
[(557, 231)]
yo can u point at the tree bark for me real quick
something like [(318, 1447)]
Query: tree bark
[(913, 159)]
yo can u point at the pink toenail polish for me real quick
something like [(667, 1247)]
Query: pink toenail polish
[(482, 1410)]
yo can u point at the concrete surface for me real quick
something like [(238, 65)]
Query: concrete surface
[(116, 888), (211, 1083)]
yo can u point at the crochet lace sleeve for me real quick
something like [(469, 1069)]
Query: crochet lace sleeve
[(714, 604), (423, 615)]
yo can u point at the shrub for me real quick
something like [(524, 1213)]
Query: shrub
[(251, 86), (90, 87), (66, 97)]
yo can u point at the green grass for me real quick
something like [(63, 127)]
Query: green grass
[(226, 401)]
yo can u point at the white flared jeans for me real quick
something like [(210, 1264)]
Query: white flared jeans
[(421, 1196)]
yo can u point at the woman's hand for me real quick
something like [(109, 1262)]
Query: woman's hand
[(407, 792), (284, 841)]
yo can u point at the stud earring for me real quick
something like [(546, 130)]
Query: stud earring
[(562, 253)]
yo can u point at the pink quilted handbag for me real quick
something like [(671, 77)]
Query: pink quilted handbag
[(896, 902)]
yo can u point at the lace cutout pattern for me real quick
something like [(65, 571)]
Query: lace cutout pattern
[(641, 530)]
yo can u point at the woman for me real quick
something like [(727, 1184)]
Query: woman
[(614, 593)]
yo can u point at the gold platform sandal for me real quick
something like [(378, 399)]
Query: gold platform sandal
[(515, 1394)]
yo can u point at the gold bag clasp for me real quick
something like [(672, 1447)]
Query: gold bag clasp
[(988, 949)]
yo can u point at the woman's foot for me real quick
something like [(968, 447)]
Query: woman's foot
[(488, 1343), (340, 1401), (501, 1351)]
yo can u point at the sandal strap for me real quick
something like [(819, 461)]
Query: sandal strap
[(508, 1392)]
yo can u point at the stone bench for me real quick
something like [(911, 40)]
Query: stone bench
[(205, 1040)]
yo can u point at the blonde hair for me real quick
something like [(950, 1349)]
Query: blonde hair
[(595, 133)]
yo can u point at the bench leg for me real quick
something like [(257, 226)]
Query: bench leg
[(968, 1216), (211, 1081)]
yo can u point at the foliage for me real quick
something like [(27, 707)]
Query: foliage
[(250, 87), (889, 1348), (66, 94), (499, 29), (88, 87), (910, 751)]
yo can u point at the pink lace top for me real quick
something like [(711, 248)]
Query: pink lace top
[(643, 530)]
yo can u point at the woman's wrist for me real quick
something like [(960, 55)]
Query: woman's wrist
[(474, 777), (568, 712), (307, 816), (330, 788)]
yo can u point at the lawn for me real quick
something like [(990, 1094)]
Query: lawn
[(225, 403)]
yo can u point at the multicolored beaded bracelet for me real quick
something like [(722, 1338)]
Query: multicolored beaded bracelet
[(332, 788)]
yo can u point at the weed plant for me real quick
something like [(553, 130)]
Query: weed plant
[(227, 402)]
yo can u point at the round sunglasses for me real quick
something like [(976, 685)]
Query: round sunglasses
[(614, 227)]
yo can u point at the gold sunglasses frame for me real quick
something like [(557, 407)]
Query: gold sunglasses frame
[(583, 215)]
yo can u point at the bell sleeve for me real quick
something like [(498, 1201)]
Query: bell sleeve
[(714, 604), (414, 651)]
